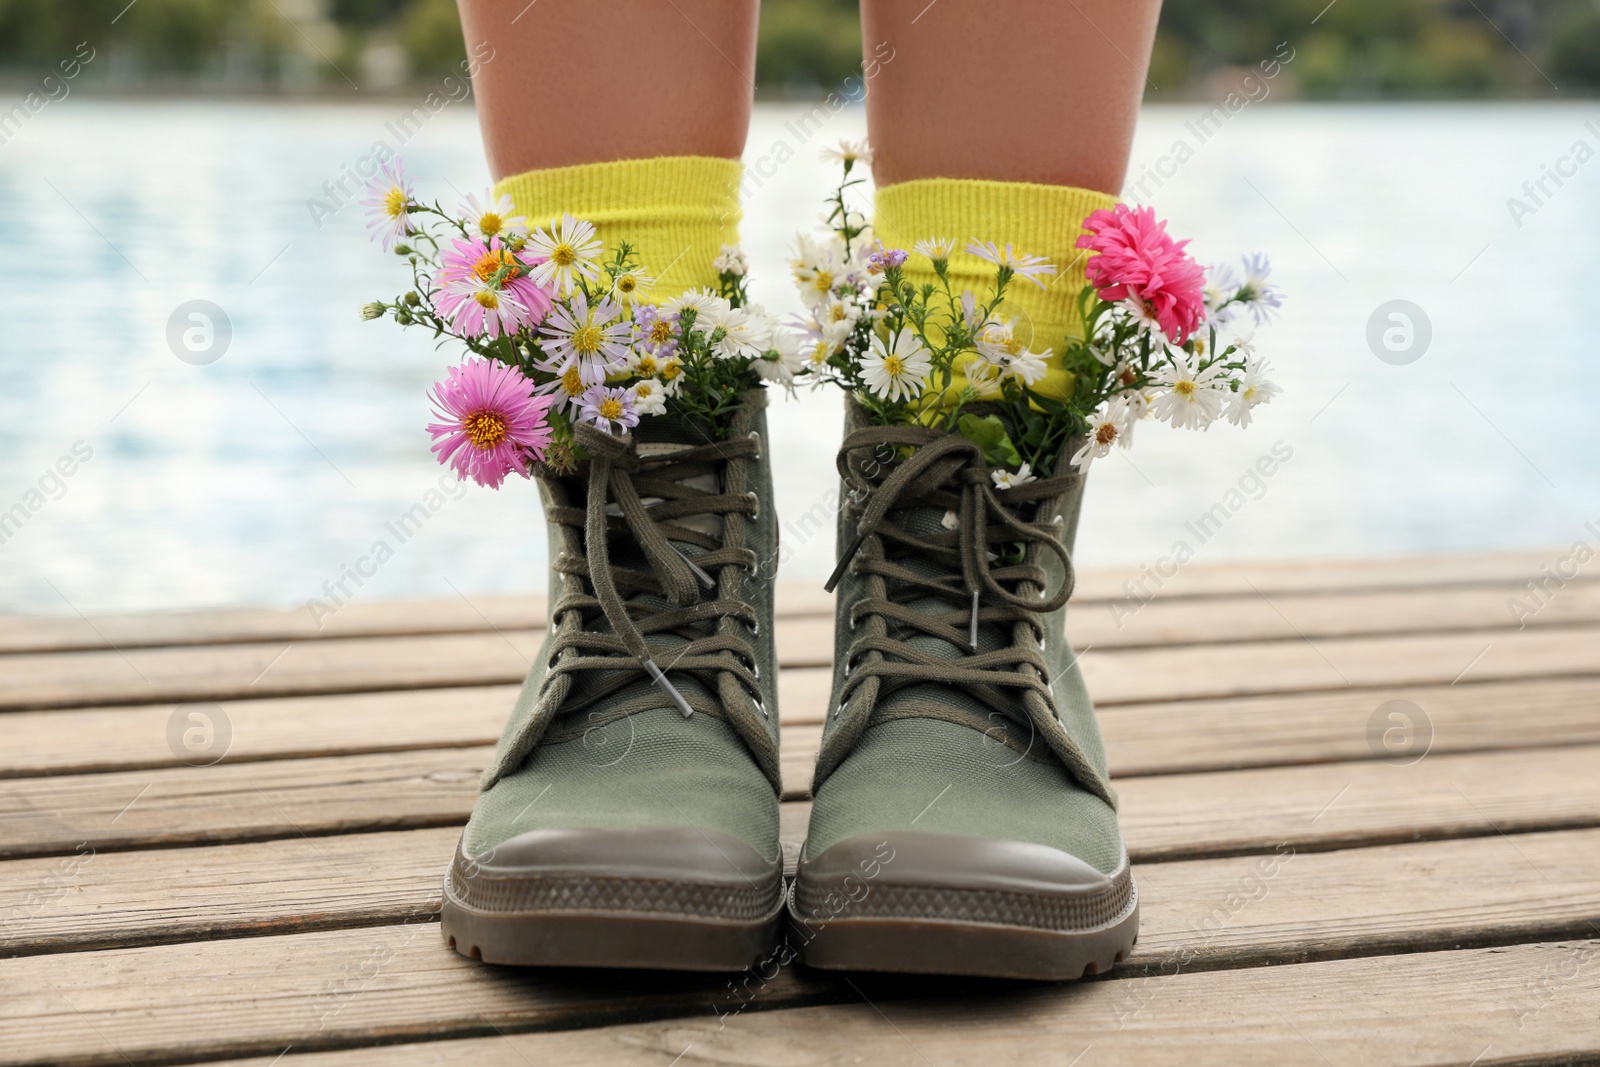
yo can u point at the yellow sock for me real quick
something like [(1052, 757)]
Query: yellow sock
[(676, 211), (1039, 220)]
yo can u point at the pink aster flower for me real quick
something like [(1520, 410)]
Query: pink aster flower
[(614, 410), (476, 308), (388, 204), (492, 423), (474, 267), (1133, 257)]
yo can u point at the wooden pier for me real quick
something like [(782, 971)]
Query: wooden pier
[(1363, 801)]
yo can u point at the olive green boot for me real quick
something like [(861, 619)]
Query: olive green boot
[(962, 823), (630, 818)]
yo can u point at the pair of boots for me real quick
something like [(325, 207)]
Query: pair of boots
[(961, 820)]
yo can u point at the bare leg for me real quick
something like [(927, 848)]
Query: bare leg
[(575, 81), (1042, 91)]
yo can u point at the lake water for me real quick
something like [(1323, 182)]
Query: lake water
[(259, 477)]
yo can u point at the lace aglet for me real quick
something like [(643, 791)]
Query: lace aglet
[(844, 561), (972, 626), (660, 679), (705, 579)]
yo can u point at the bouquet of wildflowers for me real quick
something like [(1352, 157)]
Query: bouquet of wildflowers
[(1150, 346), (561, 332)]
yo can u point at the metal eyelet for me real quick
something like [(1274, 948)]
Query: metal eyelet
[(756, 437), (755, 515), (838, 711), (761, 707), (755, 628)]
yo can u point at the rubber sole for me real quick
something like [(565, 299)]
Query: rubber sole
[(608, 939), (988, 950), (658, 898), (923, 903)]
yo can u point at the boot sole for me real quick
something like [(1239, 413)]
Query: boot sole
[(656, 898), (608, 939), (925, 925)]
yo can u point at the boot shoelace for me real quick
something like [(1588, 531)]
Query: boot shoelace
[(987, 568), (618, 484)]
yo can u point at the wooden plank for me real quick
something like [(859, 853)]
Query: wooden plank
[(91, 740), (1236, 911), (1499, 575), (357, 618), (1157, 738), (1130, 623), (243, 671), (1316, 807), (314, 990), (1524, 1004)]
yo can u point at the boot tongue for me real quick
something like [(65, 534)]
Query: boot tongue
[(922, 522)]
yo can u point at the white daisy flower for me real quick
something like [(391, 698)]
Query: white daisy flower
[(644, 363), (1033, 268), (700, 301), (597, 337), (838, 314), (649, 396), (848, 152), (731, 261), (898, 371), (1113, 426), (570, 251), (934, 248), (783, 360), (745, 332), (999, 345), (1010, 480), (1254, 388), (671, 375), (1191, 401), (1142, 317), (492, 216), (630, 285), (1255, 293)]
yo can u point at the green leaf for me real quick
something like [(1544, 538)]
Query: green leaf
[(989, 434)]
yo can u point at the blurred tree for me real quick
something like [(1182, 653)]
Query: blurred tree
[(1349, 49)]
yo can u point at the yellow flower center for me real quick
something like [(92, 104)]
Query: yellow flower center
[(1185, 389), (394, 202), (489, 223), (486, 298), (839, 313), (490, 263), (647, 367), (660, 332), (893, 366), (1105, 433), (820, 353), (572, 382), (822, 282), (587, 339), (627, 283), (671, 371), (642, 390), (563, 255), (610, 408), (485, 429)]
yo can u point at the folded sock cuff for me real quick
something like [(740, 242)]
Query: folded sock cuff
[(677, 211), (1039, 220)]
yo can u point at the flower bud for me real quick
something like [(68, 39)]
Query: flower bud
[(371, 311)]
